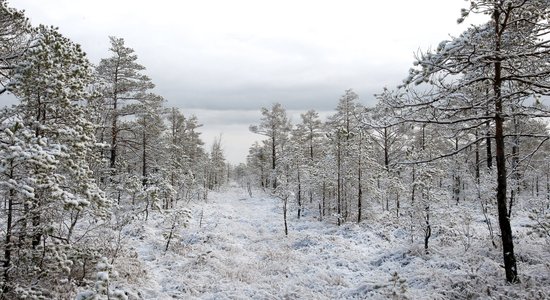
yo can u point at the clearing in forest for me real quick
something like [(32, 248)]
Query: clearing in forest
[(235, 248)]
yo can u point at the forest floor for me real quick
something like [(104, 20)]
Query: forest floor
[(235, 248)]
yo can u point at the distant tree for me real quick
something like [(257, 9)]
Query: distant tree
[(217, 165), (149, 129), (343, 130), (196, 159), (258, 162), (310, 130), (390, 140), (125, 87), (178, 162), (276, 126), (298, 164), (150, 150), (309, 136)]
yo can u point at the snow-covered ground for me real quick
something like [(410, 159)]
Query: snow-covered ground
[(235, 248)]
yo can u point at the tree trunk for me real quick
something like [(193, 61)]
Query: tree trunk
[(285, 200), (516, 176), (456, 189), (386, 150), (413, 184), (397, 203), (273, 161), (548, 187), (477, 159), (427, 229), (325, 196), (144, 157), (359, 178), (299, 195), (359, 195), (8, 245), (339, 184), (114, 135), (536, 185), (169, 239), (37, 233), (504, 221), (488, 146)]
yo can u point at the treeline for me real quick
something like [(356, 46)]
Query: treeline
[(85, 150), (468, 125)]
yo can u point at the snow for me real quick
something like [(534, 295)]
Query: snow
[(103, 276), (235, 248)]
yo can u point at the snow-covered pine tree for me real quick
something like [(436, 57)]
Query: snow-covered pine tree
[(509, 56), (125, 87), (14, 41), (54, 187), (343, 130), (257, 162), (149, 151), (308, 134), (184, 150), (218, 167), (276, 126)]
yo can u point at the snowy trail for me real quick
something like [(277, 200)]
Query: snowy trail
[(240, 252)]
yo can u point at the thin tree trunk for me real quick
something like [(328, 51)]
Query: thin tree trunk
[(273, 161), (285, 200), (339, 184), (325, 196), (37, 234), (8, 243), (144, 157), (428, 228), (456, 189), (477, 159), (386, 150), (537, 185), (413, 184), (397, 203), (170, 236), (548, 188), (504, 221), (299, 195), (359, 195), (488, 144), (114, 136)]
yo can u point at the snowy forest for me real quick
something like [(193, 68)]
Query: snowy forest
[(441, 190)]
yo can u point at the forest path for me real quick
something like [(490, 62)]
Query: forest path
[(235, 248)]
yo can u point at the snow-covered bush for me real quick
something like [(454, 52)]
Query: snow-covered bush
[(103, 287), (179, 217)]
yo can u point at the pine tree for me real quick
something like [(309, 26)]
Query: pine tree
[(508, 56), (217, 172), (14, 41), (344, 129), (276, 126), (125, 89), (50, 170)]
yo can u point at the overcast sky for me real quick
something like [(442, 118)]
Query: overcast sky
[(224, 59)]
